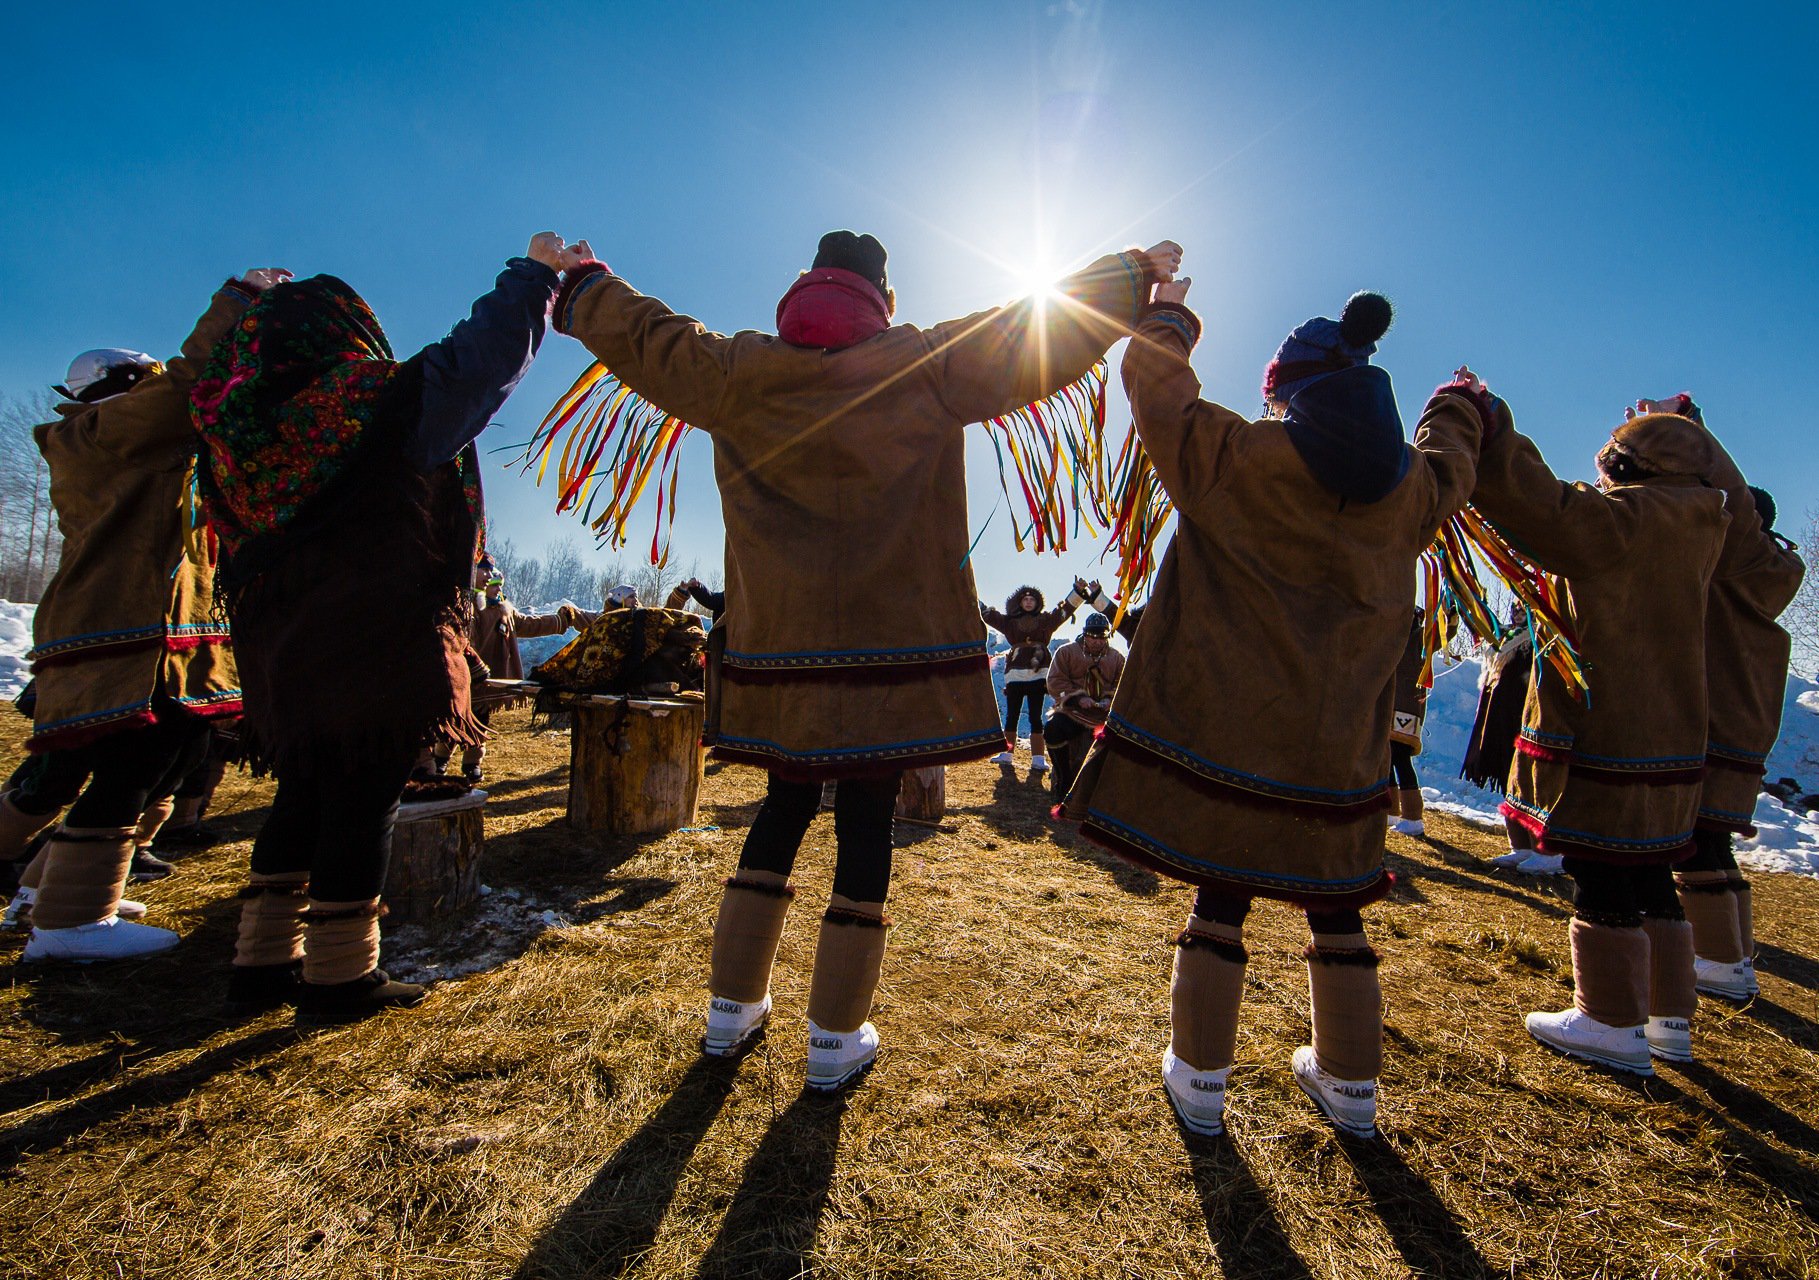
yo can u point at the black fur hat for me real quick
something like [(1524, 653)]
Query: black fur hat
[(1010, 601), (861, 255)]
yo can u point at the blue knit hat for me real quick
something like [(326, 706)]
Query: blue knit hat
[(1323, 346)]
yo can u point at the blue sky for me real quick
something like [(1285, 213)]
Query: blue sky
[(1586, 204)]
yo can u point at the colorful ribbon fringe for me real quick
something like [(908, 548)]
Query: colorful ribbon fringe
[(597, 412), (1455, 594), (614, 443)]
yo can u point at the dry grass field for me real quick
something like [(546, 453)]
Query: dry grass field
[(548, 1116)]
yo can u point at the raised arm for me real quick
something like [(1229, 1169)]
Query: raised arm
[(468, 375), (1448, 439), (1189, 440), (527, 626), (993, 619), (149, 428), (997, 361), (1567, 528), (671, 360)]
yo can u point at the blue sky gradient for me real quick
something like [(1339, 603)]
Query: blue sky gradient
[(1586, 205)]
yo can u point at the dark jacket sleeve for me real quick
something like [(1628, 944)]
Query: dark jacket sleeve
[(469, 374), (995, 620), (1128, 624), (713, 601)]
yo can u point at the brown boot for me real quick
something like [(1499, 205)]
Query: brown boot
[(268, 954), (1409, 811), (842, 1045), (1204, 996), (753, 906), (1671, 998), (342, 981), (76, 915), (1348, 1005)]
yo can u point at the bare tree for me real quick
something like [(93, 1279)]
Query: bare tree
[(29, 540), (1802, 616)]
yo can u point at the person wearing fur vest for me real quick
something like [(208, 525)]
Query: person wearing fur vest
[(128, 661), (1746, 665), (839, 449), (1611, 782), (343, 482), (1405, 734), (1082, 679), (1028, 629), (1247, 749)]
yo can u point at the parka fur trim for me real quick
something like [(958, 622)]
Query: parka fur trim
[(1010, 601), (1668, 445)]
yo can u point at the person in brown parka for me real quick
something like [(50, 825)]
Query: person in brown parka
[(1611, 781), (1405, 735), (494, 634), (1028, 628), (1248, 748), (839, 450)]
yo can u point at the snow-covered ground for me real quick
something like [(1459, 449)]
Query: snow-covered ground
[(1786, 840)]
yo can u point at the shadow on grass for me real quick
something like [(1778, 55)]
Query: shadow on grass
[(152, 1089), (1794, 1026), (1241, 1224), (770, 1227), (1789, 966), (1450, 872), (613, 1222), (1747, 1106), (1427, 1235), (1784, 1175)]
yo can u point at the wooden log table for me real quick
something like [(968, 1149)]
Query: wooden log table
[(435, 865), (634, 763)]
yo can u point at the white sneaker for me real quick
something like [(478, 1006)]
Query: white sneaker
[(836, 1058), (1574, 1034), (1670, 1039), (19, 910), (1350, 1104), (1514, 858), (1038, 764), (1004, 757), (1408, 827), (110, 939), (1725, 981), (1749, 969), (1198, 1097), (127, 909), (1541, 864), (732, 1024)]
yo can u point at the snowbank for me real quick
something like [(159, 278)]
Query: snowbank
[(15, 643), (1786, 840)]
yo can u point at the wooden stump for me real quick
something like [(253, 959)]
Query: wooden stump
[(923, 797), (435, 866), (634, 764)]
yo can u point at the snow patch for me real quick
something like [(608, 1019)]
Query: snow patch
[(1786, 840), (15, 643)]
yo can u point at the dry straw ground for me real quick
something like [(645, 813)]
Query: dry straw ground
[(549, 1117)]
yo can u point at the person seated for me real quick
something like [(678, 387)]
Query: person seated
[(1081, 680)]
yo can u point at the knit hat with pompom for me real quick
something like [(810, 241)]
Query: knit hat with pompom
[(1323, 346)]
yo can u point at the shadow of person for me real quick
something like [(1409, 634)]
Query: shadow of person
[(616, 1217), (1425, 1232), (770, 1226), (1788, 965), (1746, 1105), (1464, 875), (1241, 1224)]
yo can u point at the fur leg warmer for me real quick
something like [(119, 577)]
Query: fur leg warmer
[(340, 941), (1711, 909), (19, 828), (84, 873), (848, 958), (271, 921), (1410, 803), (1204, 997), (746, 932), (1746, 917), (1348, 1005), (1610, 973), (1670, 958), (152, 821)]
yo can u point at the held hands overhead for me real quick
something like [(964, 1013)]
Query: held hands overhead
[(259, 279), (555, 253)]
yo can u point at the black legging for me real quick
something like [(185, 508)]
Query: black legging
[(864, 809), (1226, 908), (124, 772), (1026, 695), (1712, 851), (335, 822), (1402, 764), (1610, 894)]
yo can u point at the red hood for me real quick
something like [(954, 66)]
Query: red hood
[(833, 309)]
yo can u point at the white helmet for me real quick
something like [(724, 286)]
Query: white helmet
[(106, 371)]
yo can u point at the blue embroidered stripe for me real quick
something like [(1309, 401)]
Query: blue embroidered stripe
[(1637, 762), (858, 657), (1237, 777), (1177, 323), (1737, 753), (225, 695), (95, 637), (593, 279), (94, 717), (1725, 813), (1547, 739), (1259, 877), (1592, 838), (836, 754)]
